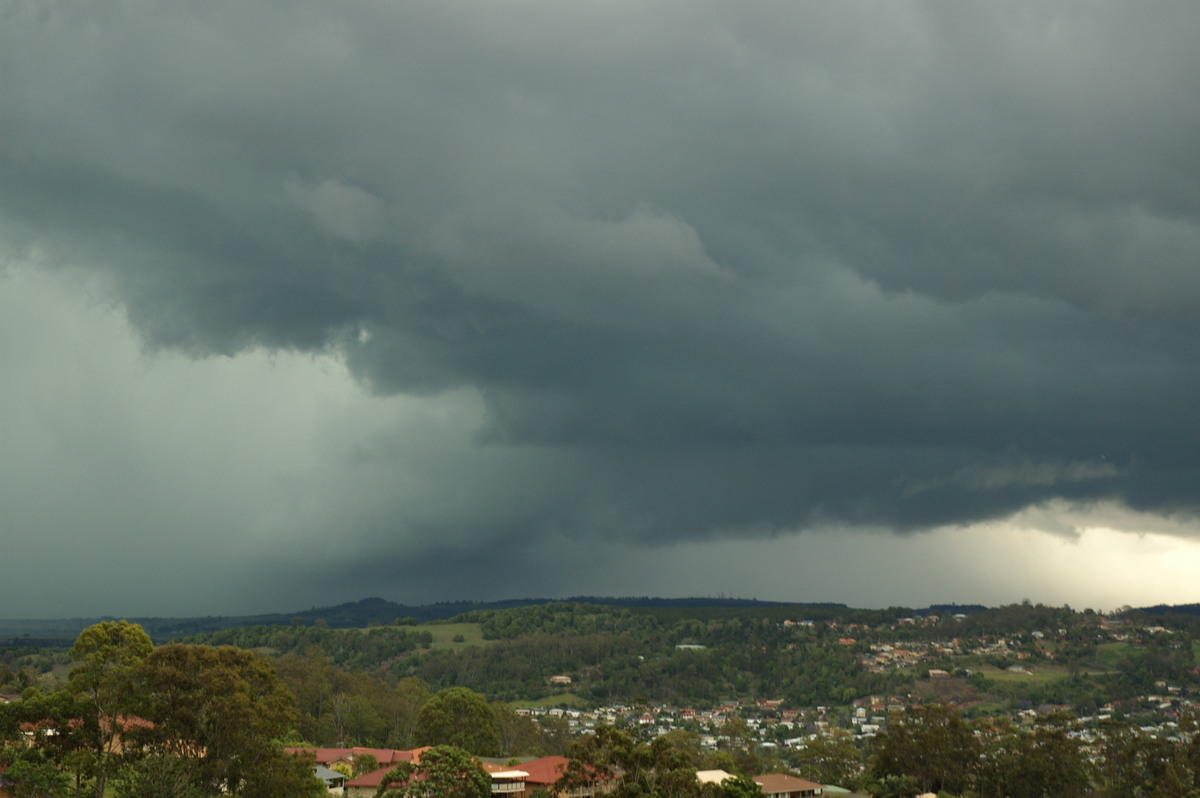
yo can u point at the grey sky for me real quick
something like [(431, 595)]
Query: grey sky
[(307, 301)]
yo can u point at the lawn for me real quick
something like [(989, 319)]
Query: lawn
[(556, 700), (1038, 674), (1109, 654), (455, 636)]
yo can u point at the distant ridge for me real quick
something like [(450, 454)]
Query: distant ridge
[(375, 610), (1171, 609), (953, 609)]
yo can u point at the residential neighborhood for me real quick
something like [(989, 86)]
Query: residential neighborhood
[(1097, 686)]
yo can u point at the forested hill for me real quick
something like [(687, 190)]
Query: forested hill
[(375, 611), (354, 614)]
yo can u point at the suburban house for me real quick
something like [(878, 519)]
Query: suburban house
[(335, 783), (366, 785), (331, 757), (778, 785), (509, 783), (713, 776), (544, 772)]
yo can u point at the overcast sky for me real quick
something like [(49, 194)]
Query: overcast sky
[(872, 302)]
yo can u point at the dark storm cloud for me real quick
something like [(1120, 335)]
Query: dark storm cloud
[(728, 270)]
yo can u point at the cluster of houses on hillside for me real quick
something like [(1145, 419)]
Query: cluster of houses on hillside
[(511, 780)]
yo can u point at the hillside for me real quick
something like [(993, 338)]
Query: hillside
[(353, 614)]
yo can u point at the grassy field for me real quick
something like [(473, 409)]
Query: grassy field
[(952, 691), (556, 700), (446, 635), (1109, 654), (1038, 674)]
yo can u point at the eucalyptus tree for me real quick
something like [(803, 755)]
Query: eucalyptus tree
[(109, 655)]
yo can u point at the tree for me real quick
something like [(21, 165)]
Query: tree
[(555, 734), (1139, 765), (739, 739), (159, 776), (894, 786), (933, 744), (1029, 764), (109, 655), (402, 707), (31, 775), (365, 763), (519, 734), (458, 717), (740, 787), (47, 731), (444, 771), (627, 768), (224, 710), (830, 759)]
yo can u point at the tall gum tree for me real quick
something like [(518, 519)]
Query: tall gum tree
[(224, 709), (459, 717), (109, 654)]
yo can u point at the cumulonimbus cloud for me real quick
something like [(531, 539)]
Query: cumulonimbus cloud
[(737, 269)]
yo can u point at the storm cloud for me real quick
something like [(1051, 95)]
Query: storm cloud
[(663, 273)]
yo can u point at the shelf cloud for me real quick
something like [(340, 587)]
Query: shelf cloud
[(575, 276)]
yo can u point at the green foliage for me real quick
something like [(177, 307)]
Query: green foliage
[(444, 771), (933, 745), (894, 786), (1028, 764), (159, 776), (831, 758), (740, 787), (459, 717), (31, 775), (214, 718), (1141, 766), (619, 654), (365, 763), (350, 708), (352, 649), (612, 760), (221, 708), (109, 656)]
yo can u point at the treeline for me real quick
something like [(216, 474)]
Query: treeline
[(687, 656), (195, 720), (353, 649), (933, 749), (347, 708), (617, 655), (137, 721)]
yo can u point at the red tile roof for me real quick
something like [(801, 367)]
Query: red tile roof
[(384, 756), (376, 777), (546, 770)]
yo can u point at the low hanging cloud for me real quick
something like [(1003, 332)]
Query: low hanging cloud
[(709, 271)]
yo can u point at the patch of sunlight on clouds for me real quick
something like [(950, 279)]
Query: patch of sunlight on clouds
[(1049, 555)]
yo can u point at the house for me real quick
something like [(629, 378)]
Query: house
[(509, 782), (331, 757), (335, 783), (779, 785), (713, 776), (368, 784), (544, 773), (520, 782)]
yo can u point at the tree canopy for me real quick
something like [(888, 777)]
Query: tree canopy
[(459, 717), (141, 722), (444, 771)]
